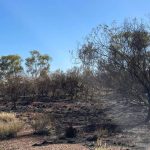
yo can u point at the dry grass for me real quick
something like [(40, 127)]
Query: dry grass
[(100, 145), (41, 124), (103, 133), (9, 125)]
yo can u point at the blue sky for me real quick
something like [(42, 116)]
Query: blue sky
[(56, 26)]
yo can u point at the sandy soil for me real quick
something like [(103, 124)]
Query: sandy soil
[(25, 143)]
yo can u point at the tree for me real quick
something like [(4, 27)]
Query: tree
[(122, 52), (10, 65), (72, 82), (10, 69), (57, 83), (43, 84), (13, 89), (89, 84), (37, 64)]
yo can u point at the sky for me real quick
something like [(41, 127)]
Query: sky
[(55, 27)]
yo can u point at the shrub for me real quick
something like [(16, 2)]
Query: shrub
[(41, 124), (9, 125), (70, 132), (103, 133)]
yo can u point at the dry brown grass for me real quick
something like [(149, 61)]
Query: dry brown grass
[(41, 124), (9, 125), (100, 145)]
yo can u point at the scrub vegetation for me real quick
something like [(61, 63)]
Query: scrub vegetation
[(107, 97)]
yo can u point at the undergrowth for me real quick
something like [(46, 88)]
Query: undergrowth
[(9, 125)]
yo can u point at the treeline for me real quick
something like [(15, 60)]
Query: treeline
[(35, 81)]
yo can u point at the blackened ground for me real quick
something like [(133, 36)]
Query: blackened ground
[(90, 118)]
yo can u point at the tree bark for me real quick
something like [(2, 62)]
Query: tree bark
[(148, 115), (14, 104)]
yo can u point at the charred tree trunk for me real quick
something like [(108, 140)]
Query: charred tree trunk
[(148, 115), (14, 104)]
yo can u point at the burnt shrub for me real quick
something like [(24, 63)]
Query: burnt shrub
[(70, 132), (42, 124)]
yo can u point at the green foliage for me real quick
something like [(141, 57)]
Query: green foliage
[(37, 64), (10, 65), (14, 83)]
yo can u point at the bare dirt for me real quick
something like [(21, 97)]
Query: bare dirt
[(25, 143)]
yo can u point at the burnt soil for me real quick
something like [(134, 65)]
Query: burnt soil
[(108, 112)]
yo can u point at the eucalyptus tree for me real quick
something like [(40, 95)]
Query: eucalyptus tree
[(10, 65), (37, 64), (121, 52), (10, 71), (37, 67)]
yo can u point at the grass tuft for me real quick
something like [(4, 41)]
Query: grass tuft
[(41, 124), (9, 125), (100, 145)]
